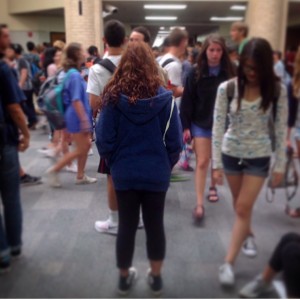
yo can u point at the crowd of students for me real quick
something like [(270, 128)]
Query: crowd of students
[(149, 109)]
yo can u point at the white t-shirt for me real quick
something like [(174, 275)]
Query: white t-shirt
[(99, 76), (174, 69)]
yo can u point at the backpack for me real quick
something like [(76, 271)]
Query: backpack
[(50, 100), (271, 123)]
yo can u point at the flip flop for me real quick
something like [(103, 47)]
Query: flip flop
[(198, 217), (213, 196)]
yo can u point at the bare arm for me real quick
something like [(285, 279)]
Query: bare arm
[(16, 113), (94, 103), (23, 77)]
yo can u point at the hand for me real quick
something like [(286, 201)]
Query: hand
[(23, 143), (186, 136), (276, 179), (217, 175), (85, 126), (288, 143)]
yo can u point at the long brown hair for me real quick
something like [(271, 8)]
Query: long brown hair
[(260, 51), (225, 62), (137, 75), (296, 75)]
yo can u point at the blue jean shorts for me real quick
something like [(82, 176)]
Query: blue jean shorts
[(199, 132), (251, 166)]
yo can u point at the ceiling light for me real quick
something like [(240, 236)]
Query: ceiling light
[(163, 32), (180, 27), (165, 6), (226, 19), (160, 18), (238, 7)]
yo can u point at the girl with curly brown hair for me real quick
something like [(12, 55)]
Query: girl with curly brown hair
[(139, 135)]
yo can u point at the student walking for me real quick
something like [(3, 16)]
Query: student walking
[(139, 135), (243, 153), (196, 110), (77, 116)]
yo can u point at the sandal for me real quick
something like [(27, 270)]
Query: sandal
[(213, 195), (198, 217)]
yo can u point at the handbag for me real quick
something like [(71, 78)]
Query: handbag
[(169, 120), (290, 179)]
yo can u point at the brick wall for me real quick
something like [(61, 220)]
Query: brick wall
[(268, 19), (87, 28)]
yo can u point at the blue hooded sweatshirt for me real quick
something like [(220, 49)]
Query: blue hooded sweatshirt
[(130, 138)]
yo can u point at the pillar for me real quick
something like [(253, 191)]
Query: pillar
[(268, 19), (84, 22)]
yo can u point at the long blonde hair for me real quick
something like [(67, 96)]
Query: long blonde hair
[(296, 75)]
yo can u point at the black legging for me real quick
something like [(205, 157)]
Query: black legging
[(152, 204)]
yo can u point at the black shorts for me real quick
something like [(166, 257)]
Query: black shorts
[(103, 168), (251, 166)]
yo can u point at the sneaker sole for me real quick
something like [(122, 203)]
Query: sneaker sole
[(31, 183), (107, 231), (249, 255)]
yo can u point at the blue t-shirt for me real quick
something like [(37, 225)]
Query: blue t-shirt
[(9, 94), (75, 90)]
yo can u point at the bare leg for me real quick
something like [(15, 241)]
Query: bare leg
[(156, 266), (112, 197), (202, 148), (251, 186)]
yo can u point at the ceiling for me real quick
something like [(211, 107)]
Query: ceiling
[(195, 17)]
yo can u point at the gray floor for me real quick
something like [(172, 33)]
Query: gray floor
[(64, 257)]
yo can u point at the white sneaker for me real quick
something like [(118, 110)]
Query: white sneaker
[(91, 152), (226, 275), (256, 288), (48, 152), (86, 180), (53, 178), (107, 227), (72, 168), (249, 247)]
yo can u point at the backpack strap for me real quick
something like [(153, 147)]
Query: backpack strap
[(276, 97), (230, 90), (107, 64), (166, 62), (169, 120)]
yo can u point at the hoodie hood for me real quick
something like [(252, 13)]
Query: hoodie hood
[(145, 109)]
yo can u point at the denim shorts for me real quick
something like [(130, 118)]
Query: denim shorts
[(250, 166), (199, 132)]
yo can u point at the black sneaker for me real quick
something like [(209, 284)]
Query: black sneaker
[(125, 283), (4, 265), (30, 180), (16, 253), (155, 283)]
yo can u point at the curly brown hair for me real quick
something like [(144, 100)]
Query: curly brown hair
[(137, 76)]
